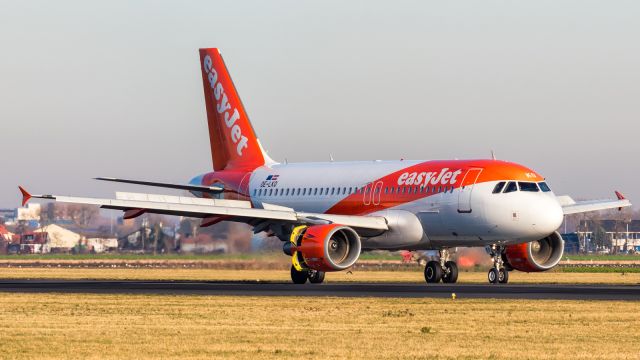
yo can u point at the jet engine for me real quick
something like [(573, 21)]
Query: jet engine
[(535, 256), (330, 247)]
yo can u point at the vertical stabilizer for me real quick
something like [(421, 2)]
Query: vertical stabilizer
[(234, 144)]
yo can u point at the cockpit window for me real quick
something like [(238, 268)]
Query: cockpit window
[(544, 187), (528, 186), (511, 187), (498, 188)]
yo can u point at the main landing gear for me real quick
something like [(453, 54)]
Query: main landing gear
[(498, 274), (301, 277), (445, 269)]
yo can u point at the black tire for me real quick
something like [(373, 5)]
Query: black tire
[(299, 277), (316, 277), (450, 273), (433, 272), (503, 276), (493, 276)]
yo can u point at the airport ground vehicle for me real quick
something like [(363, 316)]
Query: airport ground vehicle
[(327, 213)]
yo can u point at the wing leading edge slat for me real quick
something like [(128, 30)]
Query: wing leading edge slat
[(172, 205)]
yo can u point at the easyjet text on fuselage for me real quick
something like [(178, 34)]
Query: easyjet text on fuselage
[(442, 177)]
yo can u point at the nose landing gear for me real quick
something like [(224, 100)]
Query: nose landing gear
[(444, 270), (498, 274)]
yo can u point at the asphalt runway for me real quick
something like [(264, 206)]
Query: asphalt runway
[(397, 290)]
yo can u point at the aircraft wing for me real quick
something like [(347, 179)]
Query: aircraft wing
[(135, 204), (188, 187), (570, 206)]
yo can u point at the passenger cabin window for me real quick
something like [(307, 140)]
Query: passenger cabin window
[(511, 187), (499, 187), (528, 186), (544, 187)]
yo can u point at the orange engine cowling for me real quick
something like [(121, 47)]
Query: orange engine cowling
[(535, 256), (330, 247)]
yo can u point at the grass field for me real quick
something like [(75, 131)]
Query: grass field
[(57, 326), (115, 256), (281, 275), (596, 257), (378, 255)]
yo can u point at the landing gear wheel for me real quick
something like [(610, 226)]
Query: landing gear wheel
[(298, 277), (503, 276), (433, 272), (316, 277), (493, 276), (450, 273)]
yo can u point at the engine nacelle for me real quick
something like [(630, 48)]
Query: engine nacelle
[(330, 247), (535, 256)]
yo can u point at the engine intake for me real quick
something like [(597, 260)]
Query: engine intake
[(330, 247), (535, 256)]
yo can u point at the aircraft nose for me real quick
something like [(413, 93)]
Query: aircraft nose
[(548, 217)]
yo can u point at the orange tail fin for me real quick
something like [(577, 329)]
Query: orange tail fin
[(234, 144)]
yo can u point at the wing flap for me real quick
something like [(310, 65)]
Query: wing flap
[(181, 200)]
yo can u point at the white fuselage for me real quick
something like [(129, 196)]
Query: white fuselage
[(456, 208)]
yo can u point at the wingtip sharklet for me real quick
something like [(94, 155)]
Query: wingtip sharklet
[(25, 195), (620, 197)]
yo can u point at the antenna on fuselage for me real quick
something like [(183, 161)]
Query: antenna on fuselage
[(493, 155), (331, 157)]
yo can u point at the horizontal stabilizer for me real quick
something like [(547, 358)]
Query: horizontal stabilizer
[(188, 187)]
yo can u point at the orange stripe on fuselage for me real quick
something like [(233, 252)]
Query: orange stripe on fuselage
[(439, 174)]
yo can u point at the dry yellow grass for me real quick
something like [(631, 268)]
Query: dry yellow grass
[(57, 326), (278, 275)]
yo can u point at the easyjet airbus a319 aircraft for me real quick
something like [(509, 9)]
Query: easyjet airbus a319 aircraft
[(327, 213)]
